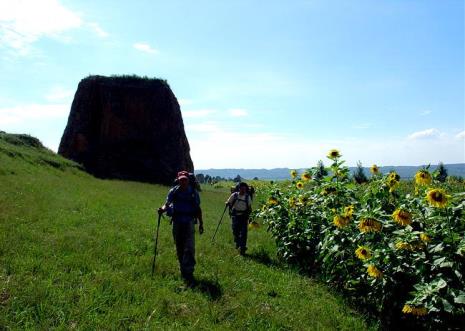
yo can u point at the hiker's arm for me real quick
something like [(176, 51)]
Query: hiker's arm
[(249, 206), (200, 218), (230, 200), (168, 201), (162, 209), (199, 212)]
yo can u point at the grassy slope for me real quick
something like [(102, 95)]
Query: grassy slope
[(76, 252)]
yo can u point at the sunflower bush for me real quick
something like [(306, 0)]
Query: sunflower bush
[(398, 252)]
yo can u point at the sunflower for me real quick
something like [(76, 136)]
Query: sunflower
[(402, 217), (272, 201), (392, 183), (253, 225), (300, 185), (374, 169), (437, 198), (333, 154), (425, 238), (306, 176), (303, 199), (394, 175), (369, 225), (340, 221), (423, 177), (363, 253), (416, 311), (292, 202), (328, 190), (293, 173), (402, 245), (348, 211), (374, 272)]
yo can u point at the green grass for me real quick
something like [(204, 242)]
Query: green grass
[(76, 253)]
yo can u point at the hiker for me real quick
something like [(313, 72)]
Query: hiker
[(240, 207), (183, 205)]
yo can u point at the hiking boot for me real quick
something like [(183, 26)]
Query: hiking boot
[(189, 281), (242, 250)]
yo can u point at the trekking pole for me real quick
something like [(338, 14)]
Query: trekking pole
[(156, 244), (224, 211)]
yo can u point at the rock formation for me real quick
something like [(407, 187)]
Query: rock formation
[(127, 127)]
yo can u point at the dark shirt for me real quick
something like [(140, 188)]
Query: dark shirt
[(185, 203)]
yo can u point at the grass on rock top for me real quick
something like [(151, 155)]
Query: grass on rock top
[(76, 252)]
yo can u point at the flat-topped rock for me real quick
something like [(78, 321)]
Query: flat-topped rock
[(127, 127)]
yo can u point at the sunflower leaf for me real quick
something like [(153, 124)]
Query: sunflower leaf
[(460, 299)]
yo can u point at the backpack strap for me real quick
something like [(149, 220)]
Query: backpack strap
[(175, 189), (233, 202), (236, 197), (248, 202)]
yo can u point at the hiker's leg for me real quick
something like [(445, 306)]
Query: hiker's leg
[(179, 242), (188, 259), (243, 232), (236, 230)]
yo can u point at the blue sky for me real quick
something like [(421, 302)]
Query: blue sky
[(261, 84)]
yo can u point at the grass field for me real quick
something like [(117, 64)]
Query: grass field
[(76, 253)]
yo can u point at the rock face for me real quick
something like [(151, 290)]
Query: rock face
[(127, 127)]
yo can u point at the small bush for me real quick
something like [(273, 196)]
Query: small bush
[(21, 140)]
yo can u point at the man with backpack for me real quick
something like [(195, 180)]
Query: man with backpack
[(240, 207), (183, 205)]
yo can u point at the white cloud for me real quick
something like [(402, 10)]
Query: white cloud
[(394, 151), (145, 47), (460, 135), (198, 113), (59, 94), (223, 145), (425, 112), (215, 146), (428, 133), (22, 23), (26, 113), (97, 29), (237, 112)]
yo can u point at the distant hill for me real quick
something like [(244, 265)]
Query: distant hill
[(405, 172)]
